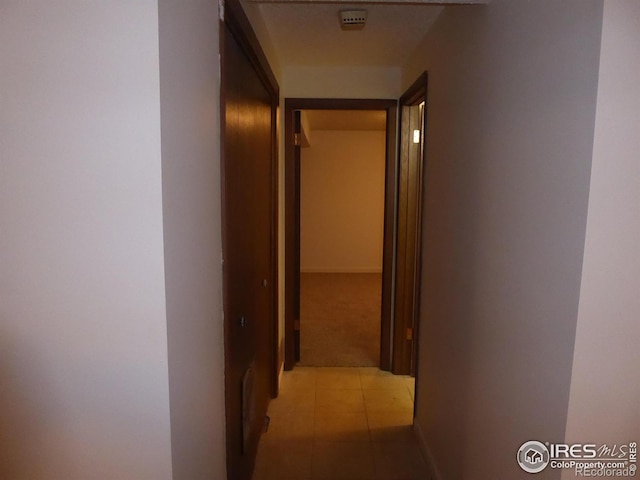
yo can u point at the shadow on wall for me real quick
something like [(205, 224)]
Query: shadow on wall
[(24, 400)]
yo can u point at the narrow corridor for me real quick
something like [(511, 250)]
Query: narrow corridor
[(341, 423)]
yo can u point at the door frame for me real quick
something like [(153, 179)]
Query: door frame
[(292, 221), (233, 18), (409, 247)]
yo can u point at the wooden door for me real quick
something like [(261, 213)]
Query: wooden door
[(248, 173), (409, 227)]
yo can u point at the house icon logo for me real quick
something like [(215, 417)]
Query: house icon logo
[(533, 456)]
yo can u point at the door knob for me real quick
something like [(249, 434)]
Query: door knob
[(243, 322), (264, 282)]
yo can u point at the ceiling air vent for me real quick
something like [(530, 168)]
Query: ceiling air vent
[(353, 19)]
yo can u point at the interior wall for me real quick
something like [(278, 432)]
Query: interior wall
[(305, 130), (83, 339), (605, 393), (341, 82), (342, 202), (189, 96), (512, 93)]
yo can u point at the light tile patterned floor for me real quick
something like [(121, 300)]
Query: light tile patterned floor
[(338, 423)]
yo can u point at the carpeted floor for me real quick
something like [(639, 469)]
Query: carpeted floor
[(340, 319)]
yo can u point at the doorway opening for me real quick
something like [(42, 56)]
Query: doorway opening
[(294, 201), (342, 181)]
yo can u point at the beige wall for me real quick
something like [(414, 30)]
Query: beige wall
[(84, 388), (189, 88), (342, 201), (605, 391), (512, 94), (341, 82)]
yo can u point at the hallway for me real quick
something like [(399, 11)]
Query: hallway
[(341, 423)]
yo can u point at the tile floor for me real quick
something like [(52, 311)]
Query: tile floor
[(334, 423)]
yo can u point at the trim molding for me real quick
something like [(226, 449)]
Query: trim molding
[(408, 253), (417, 91), (238, 23), (292, 249)]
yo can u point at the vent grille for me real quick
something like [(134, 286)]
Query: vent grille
[(353, 19)]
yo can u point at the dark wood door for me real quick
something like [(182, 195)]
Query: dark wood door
[(411, 170), (248, 246)]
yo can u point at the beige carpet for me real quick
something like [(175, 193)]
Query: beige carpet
[(340, 319)]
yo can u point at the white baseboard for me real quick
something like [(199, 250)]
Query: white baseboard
[(434, 474)]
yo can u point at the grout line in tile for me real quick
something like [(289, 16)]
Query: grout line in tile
[(315, 410)]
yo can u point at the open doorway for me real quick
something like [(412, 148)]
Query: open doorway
[(293, 277), (342, 182), (401, 251)]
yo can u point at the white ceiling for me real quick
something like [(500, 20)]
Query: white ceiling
[(309, 34)]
